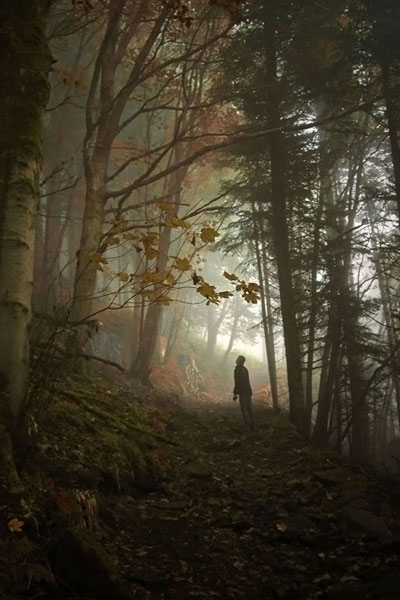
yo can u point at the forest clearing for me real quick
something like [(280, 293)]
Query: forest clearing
[(199, 299)]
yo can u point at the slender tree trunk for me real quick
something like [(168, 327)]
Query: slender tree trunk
[(233, 334), (173, 332), (351, 310), (330, 358), (386, 307), (214, 323), (271, 335), (87, 263), (266, 308), (73, 232), (393, 118), (313, 309)]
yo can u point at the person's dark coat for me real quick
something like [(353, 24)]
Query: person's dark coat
[(242, 381)]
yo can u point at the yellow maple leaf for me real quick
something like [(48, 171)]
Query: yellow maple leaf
[(151, 253), (15, 525), (207, 290), (182, 264), (119, 225), (251, 297), (164, 300), (97, 259), (253, 287), (154, 277), (176, 222), (281, 527), (150, 238), (230, 276), (208, 234), (123, 277)]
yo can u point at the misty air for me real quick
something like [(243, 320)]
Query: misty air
[(199, 299)]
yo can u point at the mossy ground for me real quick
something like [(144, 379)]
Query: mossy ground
[(135, 494)]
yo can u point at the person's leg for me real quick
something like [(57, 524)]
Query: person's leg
[(245, 405), (250, 409)]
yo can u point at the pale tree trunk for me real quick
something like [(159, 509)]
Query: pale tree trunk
[(25, 62)]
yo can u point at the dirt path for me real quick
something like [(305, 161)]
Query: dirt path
[(256, 515)]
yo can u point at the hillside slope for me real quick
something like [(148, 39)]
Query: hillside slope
[(134, 494)]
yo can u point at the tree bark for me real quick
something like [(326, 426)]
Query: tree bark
[(266, 308), (393, 119), (280, 227), (25, 62)]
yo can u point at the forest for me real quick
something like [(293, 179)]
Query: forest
[(183, 182)]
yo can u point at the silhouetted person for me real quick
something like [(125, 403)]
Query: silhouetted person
[(243, 390)]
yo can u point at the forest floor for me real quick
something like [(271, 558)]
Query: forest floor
[(211, 511)]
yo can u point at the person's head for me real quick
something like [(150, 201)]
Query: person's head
[(240, 360)]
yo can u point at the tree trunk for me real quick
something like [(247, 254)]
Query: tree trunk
[(393, 118), (330, 365), (214, 322), (25, 62), (386, 307), (270, 348), (314, 305), (175, 325), (266, 308), (280, 227), (233, 334), (87, 265)]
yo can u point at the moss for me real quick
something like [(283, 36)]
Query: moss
[(127, 448)]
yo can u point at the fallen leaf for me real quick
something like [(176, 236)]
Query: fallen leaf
[(15, 525)]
